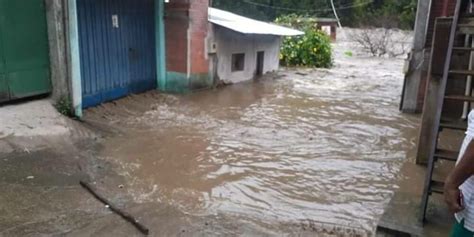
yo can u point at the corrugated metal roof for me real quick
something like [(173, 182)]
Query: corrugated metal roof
[(248, 26), (326, 20)]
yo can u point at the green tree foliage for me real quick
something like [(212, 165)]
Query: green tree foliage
[(313, 49), (387, 13), (401, 13)]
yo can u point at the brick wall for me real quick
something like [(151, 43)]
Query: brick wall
[(183, 19), (176, 31), (198, 13)]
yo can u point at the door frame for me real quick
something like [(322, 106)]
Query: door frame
[(260, 63), (75, 60)]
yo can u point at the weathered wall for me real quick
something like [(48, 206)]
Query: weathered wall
[(200, 77), (186, 26), (230, 42), (176, 28), (417, 75), (438, 9), (55, 14), (198, 13)]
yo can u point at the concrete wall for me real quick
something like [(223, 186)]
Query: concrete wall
[(57, 35), (231, 42)]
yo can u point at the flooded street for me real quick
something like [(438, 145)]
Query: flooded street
[(301, 151)]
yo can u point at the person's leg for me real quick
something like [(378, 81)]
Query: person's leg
[(460, 231)]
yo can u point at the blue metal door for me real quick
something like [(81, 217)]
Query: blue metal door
[(117, 47)]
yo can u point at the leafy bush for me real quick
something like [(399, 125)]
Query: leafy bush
[(313, 49)]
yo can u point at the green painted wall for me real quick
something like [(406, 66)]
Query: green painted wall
[(24, 50)]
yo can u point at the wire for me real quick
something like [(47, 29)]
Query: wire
[(349, 6), (335, 14)]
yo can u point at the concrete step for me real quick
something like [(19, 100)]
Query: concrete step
[(463, 49), (453, 124), (462, 98), (446, 155), (437, 187), (462, 72)]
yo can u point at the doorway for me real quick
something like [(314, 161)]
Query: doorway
[(260, 62)]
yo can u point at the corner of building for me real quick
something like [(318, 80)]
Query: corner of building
[(187, 63)]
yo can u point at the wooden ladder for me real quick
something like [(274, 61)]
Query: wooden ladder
[(442, 72)]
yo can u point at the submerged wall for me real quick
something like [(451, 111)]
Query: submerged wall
[(230, 42)]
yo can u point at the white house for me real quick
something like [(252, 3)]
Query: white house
[(244, 48)]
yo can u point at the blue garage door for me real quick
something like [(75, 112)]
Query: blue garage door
[(117, 47)]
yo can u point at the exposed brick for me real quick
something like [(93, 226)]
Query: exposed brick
[(176, 30), (185, 19), (199, 28)]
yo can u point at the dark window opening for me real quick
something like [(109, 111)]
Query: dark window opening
[(260, 61), (238, 62)]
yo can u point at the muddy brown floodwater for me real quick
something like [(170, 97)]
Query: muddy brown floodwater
[(301, 151)]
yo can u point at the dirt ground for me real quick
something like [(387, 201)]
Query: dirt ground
[(300, 152)]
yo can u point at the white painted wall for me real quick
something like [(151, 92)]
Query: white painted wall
[(230, 42)]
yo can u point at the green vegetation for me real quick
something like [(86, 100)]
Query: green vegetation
[(348, 53), (353, 13), (389, 14), (64, 106), (313, 49)]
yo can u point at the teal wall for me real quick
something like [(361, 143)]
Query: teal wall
[(75, 59), (180, 83), (160, 44)]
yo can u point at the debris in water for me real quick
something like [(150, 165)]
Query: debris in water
[(117, 211)]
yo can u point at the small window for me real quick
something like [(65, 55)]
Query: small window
[(238, 62)]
